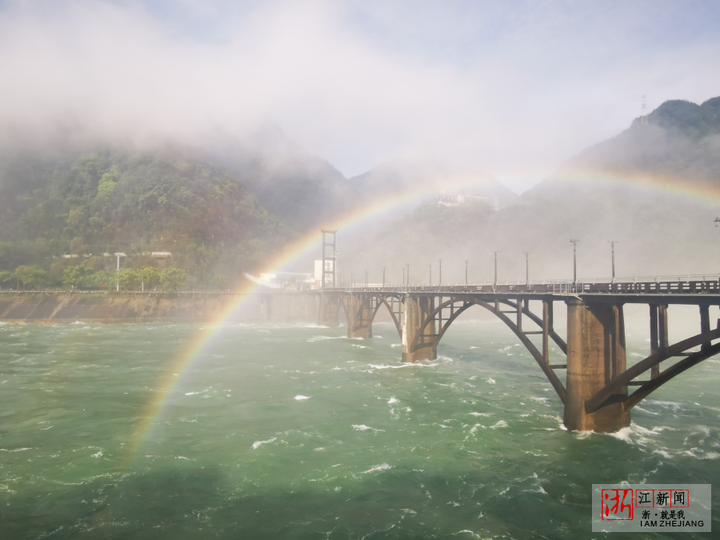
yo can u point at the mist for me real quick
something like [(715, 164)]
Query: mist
[(510, 90)]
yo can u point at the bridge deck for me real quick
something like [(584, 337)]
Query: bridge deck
[(653, 292)]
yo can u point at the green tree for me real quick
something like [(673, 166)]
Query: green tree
[(102, 280), (172, 279), (6, 278), (30, 276), (77, 276), (107, 183), (149, 276), (129, 279)]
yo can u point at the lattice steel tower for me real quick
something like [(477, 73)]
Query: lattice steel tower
[(329, 265)]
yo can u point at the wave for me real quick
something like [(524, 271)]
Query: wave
[(376, 468), (258, 444)]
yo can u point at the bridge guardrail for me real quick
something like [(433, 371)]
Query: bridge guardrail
[(559, 287)]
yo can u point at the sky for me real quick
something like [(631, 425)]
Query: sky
[(508, 88)]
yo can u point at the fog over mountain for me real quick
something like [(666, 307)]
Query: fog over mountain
[(653, 189), (229, 204)]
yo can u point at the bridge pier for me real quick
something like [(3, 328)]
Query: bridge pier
[(418, 347), (595, 356), (359, 310), (328, 307)]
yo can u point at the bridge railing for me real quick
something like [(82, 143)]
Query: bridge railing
[(657, 286)]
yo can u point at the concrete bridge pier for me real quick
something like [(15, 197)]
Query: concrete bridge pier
[(265, 307), (419, 340), (595, 357), (359, 310), (327, 310)]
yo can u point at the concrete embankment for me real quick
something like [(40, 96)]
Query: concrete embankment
[(113, 308), (51, 306)]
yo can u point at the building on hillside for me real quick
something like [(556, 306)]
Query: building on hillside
[(456, 198)]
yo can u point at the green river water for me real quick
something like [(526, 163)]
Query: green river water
[(296, 432)]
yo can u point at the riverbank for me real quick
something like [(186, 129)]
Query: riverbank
[(107, 307)]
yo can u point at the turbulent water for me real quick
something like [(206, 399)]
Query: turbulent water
[(299, 432)]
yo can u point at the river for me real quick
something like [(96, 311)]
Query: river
[(298, 432)]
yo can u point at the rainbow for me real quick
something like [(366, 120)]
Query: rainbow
[(204, 337)]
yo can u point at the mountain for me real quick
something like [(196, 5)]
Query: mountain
[(419, 180), (300, 188), (110, 201), (677, 141), (227, 205), (221, 207), (653, 189)]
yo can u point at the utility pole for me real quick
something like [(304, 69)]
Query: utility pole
[(574, 242), (440, 277), (117, 274), (612, 251), (527, 268), (495, 280)]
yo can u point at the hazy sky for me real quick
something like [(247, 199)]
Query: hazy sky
[(509, 87)]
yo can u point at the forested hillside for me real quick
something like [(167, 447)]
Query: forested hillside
[(90, 204), (226, 208)]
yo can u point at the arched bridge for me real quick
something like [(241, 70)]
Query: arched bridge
[(599, 388)]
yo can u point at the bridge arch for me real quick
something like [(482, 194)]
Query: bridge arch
[(362, 308), (595, 394), (456, 306), (649, 367)]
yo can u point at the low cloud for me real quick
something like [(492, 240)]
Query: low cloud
[(512, 90)]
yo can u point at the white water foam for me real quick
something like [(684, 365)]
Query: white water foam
[(324, 338), (258, 444), (196, 393), (363, 427), (376, 468), (300, 397)]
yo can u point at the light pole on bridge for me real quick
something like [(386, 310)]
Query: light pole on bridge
[(495, 279), (527, 267), (383, 277), (366, 279), (574, 242), (430, 274), (440, 268), (466, 272), (612, 251)]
